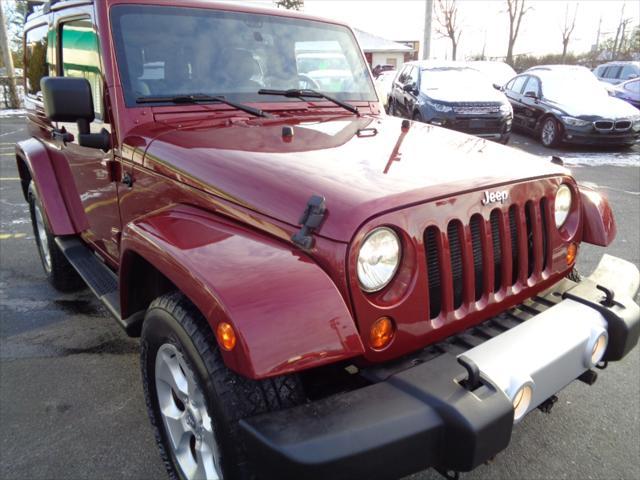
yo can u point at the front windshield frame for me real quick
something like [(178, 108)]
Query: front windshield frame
[(354, 84)]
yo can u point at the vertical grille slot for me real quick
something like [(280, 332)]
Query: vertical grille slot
[(476, 244), (454, 231), (530, 218), (544, 204), (497, 249), (433, 271), (513, 227)]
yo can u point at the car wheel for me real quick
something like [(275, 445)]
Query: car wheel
[(417, 117), (574, 275), (550, 132), (194, 401), (57, 268)]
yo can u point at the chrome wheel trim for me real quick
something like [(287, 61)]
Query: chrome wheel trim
[(43, 243), (185, 416), (548, 132)]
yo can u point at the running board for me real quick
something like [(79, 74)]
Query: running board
[(100, 279)]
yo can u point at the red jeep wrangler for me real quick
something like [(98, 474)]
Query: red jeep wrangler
[(320, 290)]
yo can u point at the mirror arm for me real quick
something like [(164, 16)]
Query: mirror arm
[(83, 126), (100, 140)]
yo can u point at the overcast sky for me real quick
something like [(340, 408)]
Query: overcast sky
[(540, 31)]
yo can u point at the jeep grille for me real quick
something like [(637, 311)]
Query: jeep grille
[(480, 257)]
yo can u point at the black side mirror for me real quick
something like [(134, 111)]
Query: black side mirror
[(498, 87), (68, 99), (410, 88), (531, 94)]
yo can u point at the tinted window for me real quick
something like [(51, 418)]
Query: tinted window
[(168, 51), (633, 87), (628, 71), (413, 76), (38, 62), (81, 57), (517, 83), (402, 77), (533, 85), (613, 72)]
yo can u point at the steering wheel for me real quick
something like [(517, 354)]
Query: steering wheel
[(306, 82)]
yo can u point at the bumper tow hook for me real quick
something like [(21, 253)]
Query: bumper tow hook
[(548, 404)]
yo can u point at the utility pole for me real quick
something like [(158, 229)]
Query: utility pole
[(598, 35), (8, 61), (426, 46)]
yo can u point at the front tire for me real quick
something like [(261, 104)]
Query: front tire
[(550, 132), (417, 117), (57, 268), (194, 401)]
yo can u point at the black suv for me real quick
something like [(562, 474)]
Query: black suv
[(451, 95)]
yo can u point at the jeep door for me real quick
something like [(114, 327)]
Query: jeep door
[(92, 169)]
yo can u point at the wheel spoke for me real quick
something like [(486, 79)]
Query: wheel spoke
[(205, 460), (176, 429), (168, 371)]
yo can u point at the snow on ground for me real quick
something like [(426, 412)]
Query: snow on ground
[(11, 113)]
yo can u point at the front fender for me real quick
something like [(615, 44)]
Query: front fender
[(54, 182), (287, 313), (39, 167), (597, 217)]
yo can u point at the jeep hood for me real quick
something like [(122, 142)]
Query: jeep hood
[(362, 166)]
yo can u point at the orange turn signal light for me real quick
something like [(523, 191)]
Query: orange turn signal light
[(226, 336), (572, 251), (381, 332)]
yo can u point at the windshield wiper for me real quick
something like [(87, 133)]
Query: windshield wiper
[(305, 92), (198, 98)]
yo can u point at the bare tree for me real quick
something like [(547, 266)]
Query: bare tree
[(516, 10), (448, 26), (567, 29), (290, 4)]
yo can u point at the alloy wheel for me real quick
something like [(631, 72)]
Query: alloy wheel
[(185, 416), (43, 243), (549, 132)]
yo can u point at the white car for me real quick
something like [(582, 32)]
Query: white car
[(383, 85)]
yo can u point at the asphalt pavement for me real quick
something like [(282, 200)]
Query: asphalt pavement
[(71, 403)]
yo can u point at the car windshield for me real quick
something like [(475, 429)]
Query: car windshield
[(569, 85), (452, 78), (166, 52)]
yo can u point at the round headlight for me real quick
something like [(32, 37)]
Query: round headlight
[(378, 259), (562, 204)]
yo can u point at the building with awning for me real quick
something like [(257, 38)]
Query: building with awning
[(381, 51)]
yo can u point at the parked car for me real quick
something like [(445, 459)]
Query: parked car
[(383, 84), (320, 290), (570, 105), (452, 96), (628, 91), (378, 69), (616, 72), (498, 73)]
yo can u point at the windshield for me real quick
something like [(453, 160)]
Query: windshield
[(171, 51), (565, 86), (453, 78)]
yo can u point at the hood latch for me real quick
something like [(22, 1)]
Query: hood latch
[(310, 220)]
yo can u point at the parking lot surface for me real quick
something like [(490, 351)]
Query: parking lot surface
[(71, 403)]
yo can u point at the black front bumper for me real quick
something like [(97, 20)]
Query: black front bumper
[(579, 136), (417, 413)]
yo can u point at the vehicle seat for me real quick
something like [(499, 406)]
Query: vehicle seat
[(136, 70), (240, 69), (176, 75)]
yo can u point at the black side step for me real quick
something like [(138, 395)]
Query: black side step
[(100, 279)]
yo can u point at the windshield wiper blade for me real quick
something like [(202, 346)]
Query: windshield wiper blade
[(198, 97), (306, 92)]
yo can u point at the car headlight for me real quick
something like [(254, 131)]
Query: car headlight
[(636, 123), (378, 259), (506, 108), (575, 122), (562, 204), (439, 107)]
